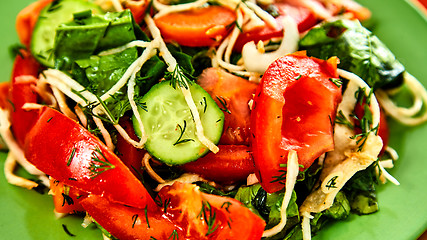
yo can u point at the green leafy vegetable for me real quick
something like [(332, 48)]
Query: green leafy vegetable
[(87, 35), (100, 73), (207, 188), (359, 51), (268, 205), (360, 191)]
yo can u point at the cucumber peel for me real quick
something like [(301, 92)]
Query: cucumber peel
[(52, 16), (169, 124)]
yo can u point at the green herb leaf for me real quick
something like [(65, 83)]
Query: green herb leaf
[(359, 51)]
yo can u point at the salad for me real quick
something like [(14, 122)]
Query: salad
[(170, 132)]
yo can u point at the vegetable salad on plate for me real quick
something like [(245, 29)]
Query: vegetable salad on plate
[(220, 119)]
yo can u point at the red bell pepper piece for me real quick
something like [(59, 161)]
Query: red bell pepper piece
[(24, 76), (66, 199), (294, 109), (130, 155), (65, 150)]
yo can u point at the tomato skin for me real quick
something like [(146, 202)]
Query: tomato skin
[(129, 223), (24, 77), (137, 8), (180, 213), (302, 16), (66, 151), (200, 27), (26, 20), (235, 92), (233, 220), (244, 223), (130, 155), (233, 163), (65, 198), (269, 143), (306, 128)]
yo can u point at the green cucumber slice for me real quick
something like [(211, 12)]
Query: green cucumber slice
[(170, 127), (53, 15)]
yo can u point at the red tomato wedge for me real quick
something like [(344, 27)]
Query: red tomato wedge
[(231, 164), (69, 153), (207, 216), (186, 213), (235, 93), (294, 108), (302, 16), (24, 77), (129, 223), (196, 28)]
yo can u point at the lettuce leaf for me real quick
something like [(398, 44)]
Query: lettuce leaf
[(268, 205), (358, 49)]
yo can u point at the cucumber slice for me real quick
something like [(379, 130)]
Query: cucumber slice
[(170, 127), (56, 13)]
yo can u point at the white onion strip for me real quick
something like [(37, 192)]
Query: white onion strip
[(291, 178)]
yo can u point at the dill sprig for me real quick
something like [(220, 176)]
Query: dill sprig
[(341, 119), (111, 117), (178, 78), (67, 231), (336, 81), (223, 104), (98, 165), (209, 215), (70, 158), (282, 177), (182, 130), (174, 235), (204, 104), (67, 199), (367, 119), (134, 219)]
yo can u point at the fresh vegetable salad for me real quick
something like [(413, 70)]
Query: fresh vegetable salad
[(220, 119)]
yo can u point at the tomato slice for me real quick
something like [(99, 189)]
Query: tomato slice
[(69, 153), (233, 163), (129, 223), (302, 16), (207, 216), (185, 213), (294, 108), (235, 93), (196, 28)]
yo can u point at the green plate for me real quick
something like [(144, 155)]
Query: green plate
[(403, 213)]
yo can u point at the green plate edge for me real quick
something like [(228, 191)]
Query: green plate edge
[(403, 213)]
